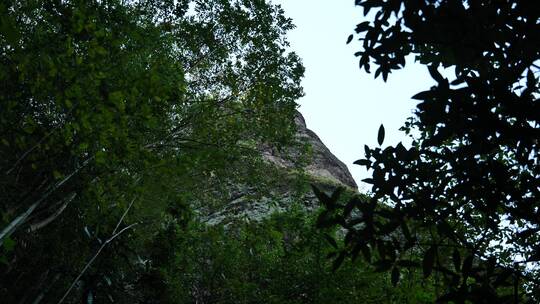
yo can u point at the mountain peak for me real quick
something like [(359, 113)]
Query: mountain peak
[(321, 161)]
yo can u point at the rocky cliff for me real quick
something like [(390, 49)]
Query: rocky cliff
[(320, 161), (309, 161)]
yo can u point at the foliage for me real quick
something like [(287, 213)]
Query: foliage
[(278, 260), (466, 194), (115, 112)]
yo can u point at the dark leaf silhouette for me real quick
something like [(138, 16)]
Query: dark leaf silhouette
[(380, 135), (428, 261), (330, 240), (469, 181), (395, 276), (362, 162), (362, 27), (338, 261), (456, 259)]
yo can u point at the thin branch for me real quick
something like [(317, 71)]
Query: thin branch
[(93, 259), (51, 218), (13, 225), (197, 61), (124, 215), (114, 236), (41, 295), (25, 154)]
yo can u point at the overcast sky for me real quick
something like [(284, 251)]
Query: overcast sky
[(344, 105)]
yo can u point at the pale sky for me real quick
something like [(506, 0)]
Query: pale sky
[(344, 105)]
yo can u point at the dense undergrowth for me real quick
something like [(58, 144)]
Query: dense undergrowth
[(281, 259)]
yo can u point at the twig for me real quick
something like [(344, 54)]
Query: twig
[(124, 215), (48, 220), (41, 295), (29, 151), (13, 225), (92, 260), (114, 236), (25, 154)]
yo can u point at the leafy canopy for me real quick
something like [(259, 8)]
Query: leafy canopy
[(116, 112), (467, 193)]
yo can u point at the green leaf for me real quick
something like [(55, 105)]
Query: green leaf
[(8, 244), (83, 146), (380, 135), (100, 158), (8, 28), (29, 128), (57, 175)]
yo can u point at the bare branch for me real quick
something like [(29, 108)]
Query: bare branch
[(124, 215), (113, 236), (13, 225), (51, 218)]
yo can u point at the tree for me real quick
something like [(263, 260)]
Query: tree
[(466, 195), (277, 260), (116, 112)]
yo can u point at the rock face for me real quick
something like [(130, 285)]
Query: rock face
[(319, 165)]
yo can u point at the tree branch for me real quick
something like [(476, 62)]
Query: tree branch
[(13, 225), (113, 236), (51, 218)]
